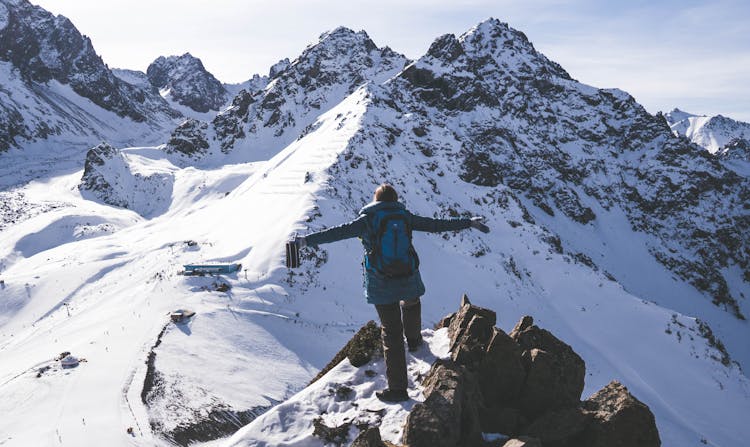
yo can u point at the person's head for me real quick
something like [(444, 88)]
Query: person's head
[(386, 193)]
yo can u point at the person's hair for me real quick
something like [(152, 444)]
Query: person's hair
[(386, 193)]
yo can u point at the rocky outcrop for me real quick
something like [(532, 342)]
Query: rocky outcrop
[(526, 385), (108, 177), (363, 347), (188, 138), (736, 149)]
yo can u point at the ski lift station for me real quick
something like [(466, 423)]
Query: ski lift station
[(210, 269)]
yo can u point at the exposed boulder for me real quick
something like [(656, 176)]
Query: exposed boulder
[(619, 420), (555, 372), (501, 373), (448, 417)]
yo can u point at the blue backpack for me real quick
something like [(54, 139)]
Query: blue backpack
[(391, 253)]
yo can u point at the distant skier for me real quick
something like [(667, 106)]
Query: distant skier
[(392, 280)]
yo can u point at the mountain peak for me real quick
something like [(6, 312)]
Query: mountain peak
[(342, 37), (492, 46), (188, 81)]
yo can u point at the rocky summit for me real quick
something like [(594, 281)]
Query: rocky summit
[(505, 390), (187, 82), (527, 386)]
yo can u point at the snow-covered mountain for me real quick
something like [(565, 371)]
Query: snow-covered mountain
[(184, 80), (261, 122), (58, 97), (627, 241), (715, 133)]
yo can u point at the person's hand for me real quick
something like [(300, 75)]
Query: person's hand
[(300, 241), (478, 223)]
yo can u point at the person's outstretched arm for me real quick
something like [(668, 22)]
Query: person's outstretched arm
[(355, 228), (430, 225)]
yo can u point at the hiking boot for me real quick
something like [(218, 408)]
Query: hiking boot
[(389, 395), (415, 345)]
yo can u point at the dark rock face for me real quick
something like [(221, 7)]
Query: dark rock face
[(526, 385), (554, 372), (501, 373), (559, 426), (336, 435), (189, 83), (189, 138), (736, 149)]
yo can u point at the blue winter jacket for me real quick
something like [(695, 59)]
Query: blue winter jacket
[(380, 289)]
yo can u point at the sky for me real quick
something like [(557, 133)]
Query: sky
[(691, 54)]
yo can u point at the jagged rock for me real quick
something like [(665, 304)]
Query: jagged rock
[(555, 373), (370, 437), (523, 441), (525, 322), (188, 82), (94, 179), (445, 321), (449, 416), (559, 428), (322, 76), (735, 149), (470, 348), (188, 138), (278, 67), (619, 420), (527, 384), (463, 318)]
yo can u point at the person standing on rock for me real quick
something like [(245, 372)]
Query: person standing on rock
[(391, 270)]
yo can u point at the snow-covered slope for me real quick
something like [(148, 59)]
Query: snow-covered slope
[(58, 96), (615, 234), (714, 133)]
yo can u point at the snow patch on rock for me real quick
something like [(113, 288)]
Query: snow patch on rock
[(128, 180)]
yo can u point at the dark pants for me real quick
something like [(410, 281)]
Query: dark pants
[(399, 319)]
